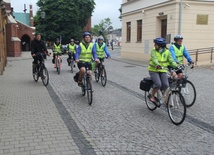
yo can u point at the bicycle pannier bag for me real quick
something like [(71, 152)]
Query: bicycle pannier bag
[(76, 77), (146, 84)]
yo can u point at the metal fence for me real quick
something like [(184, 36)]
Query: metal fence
[(197, 53)]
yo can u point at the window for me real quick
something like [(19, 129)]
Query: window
[(139, 30), (128, 35)]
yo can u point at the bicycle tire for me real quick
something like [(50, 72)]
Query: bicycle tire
[(71, 65), (185, 93), (89, 91), (58, 66), (83, 87), (103, 76), (97, 76), (177, 118), (151, 106), (45, 78), (36, 76)]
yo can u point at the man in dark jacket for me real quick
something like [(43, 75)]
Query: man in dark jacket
[(37, 46)]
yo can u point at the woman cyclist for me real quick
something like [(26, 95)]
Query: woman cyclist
[(160, 59)]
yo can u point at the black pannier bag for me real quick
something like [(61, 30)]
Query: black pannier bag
[(76, 76), (146, 84)]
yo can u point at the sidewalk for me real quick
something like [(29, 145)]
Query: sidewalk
[(29, 120)]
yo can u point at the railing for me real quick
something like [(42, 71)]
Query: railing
[(202, 51)]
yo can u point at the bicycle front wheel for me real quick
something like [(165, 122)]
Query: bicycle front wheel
[(189, 93), (36, 75), (44, 76), (97, 76), (71, 65), (176, 107), (58, 66), (103, 77), (89, 91), (151, 106)]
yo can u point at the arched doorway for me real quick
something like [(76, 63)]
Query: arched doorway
[(25, 43)]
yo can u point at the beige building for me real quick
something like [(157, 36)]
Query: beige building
[(144, 20)]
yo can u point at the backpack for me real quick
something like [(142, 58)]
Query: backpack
[(146, 84)]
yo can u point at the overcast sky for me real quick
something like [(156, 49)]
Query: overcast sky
[(103, 9)]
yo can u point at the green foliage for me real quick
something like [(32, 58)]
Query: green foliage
[(63, 17), (103, 28)]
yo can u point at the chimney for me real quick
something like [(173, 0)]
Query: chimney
[(31, 16)]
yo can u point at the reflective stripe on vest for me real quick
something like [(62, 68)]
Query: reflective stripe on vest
[(100, 50), (71, 48), (179, 53), (86, 54), (162, 59), (57, 48)]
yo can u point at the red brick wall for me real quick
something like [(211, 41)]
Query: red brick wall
[(88, 26), (23, 29)]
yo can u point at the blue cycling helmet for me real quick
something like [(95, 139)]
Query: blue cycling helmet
[(178, 37), (160, 41), (86, 34)]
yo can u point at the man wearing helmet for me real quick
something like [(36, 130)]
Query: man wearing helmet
[(57, 50), (160, 59), (71, 51), (179, 51), (84, 54), (101, 50)]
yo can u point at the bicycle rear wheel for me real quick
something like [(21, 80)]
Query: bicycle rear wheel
[(151, 106), (89, 91), (44, 76), (189, 93), (176, 107), (103, 76), (58, 66), (35, 75)]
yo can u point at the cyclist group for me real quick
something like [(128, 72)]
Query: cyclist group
[(86, 52)]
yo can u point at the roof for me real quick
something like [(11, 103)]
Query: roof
[(11, 19), (22, 17)]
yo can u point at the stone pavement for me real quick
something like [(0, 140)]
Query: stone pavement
[(30, 123)]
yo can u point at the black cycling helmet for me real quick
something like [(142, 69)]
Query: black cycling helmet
[(160, 41), (178, 37), (86, 34)]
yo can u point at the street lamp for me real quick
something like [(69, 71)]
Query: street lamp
[(180, 18)]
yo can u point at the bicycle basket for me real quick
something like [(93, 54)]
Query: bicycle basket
[(76, 77), (146, 84)]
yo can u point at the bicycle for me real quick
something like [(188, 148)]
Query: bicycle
[(41, 71), (87, 86), (186, 87), (101, 73), (71, 62), (172, 98), (58, 62)]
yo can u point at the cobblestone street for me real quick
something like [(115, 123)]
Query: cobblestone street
[(57, 120)]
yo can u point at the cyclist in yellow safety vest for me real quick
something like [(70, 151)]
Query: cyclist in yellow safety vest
[(179, 51), (160, 59), (57, 50), (71, 51), (84, 54), (101, 50)]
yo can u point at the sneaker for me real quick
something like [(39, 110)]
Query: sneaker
[(68, 64), (74, 66)]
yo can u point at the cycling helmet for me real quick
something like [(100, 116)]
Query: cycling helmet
[(72, 40), (100, 38), (86, 34), (160, 41), (178, 37)]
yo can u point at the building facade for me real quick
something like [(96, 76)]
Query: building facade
[(144, 20), (3, 48)]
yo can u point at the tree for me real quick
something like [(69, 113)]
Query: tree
[(103, 28), (63, 17), (120, 10)]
